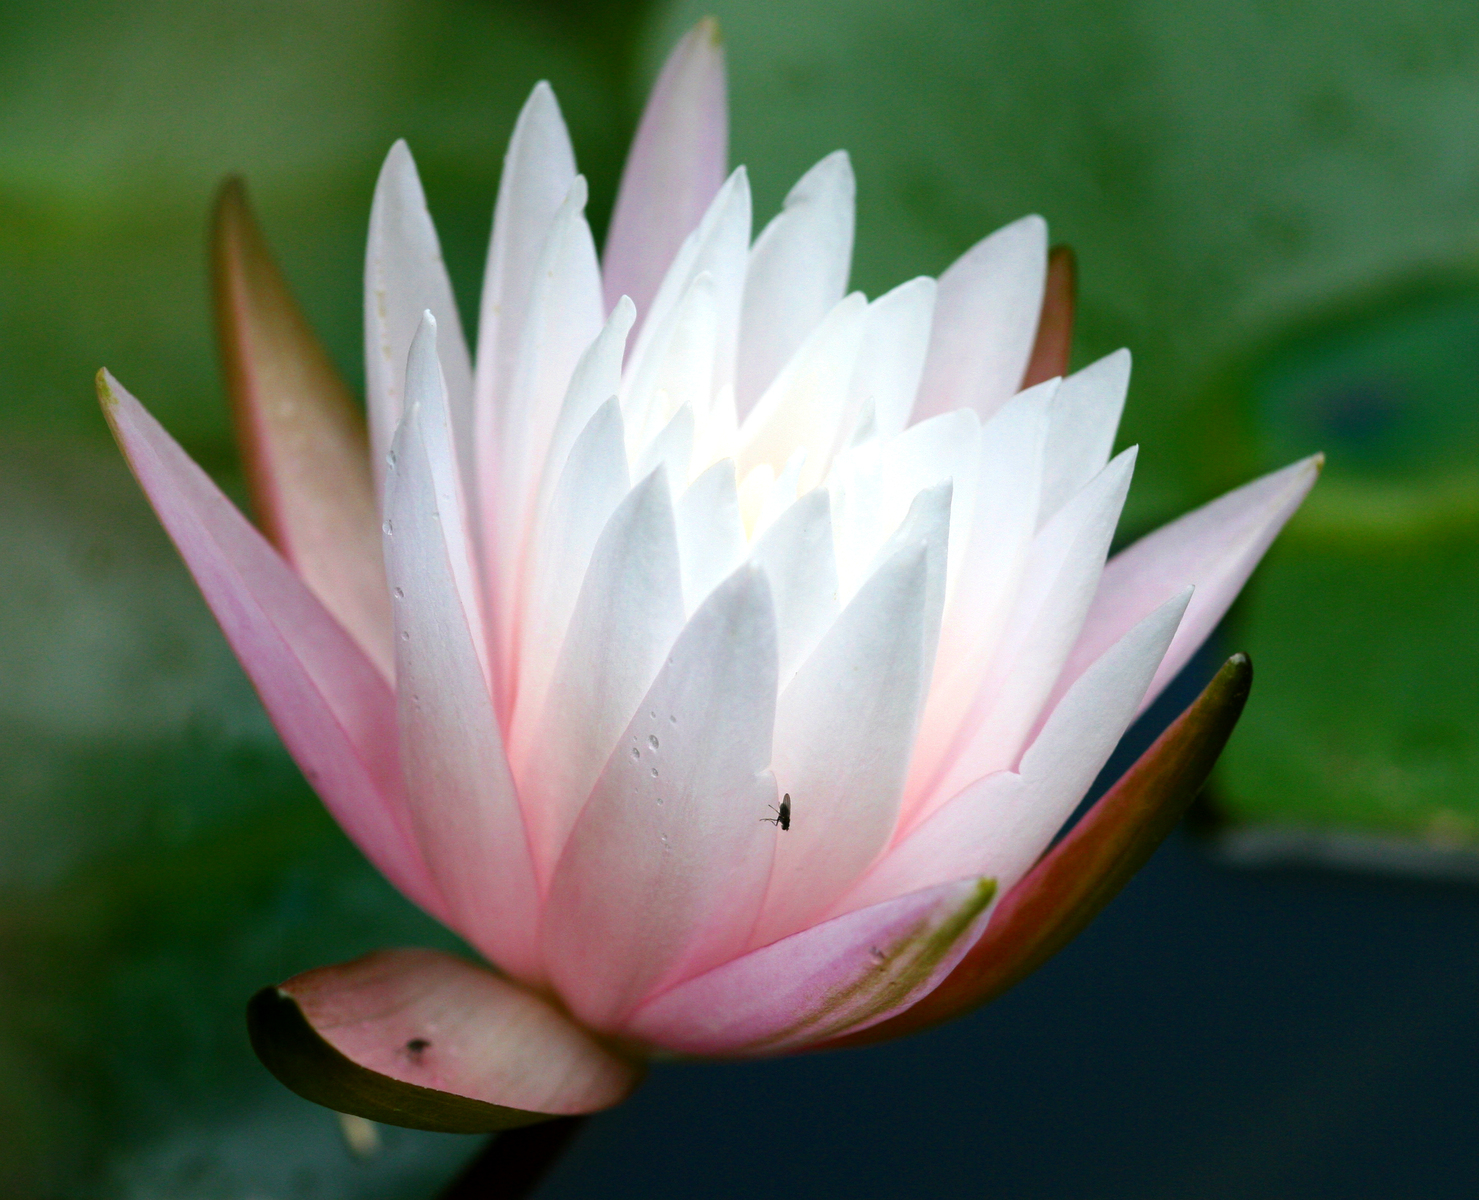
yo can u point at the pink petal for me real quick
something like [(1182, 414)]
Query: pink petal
[(1000, 824), (664, 872), (985, 319), (675, 166), (1214, 547), (629, 610), (845, 974), (300, 432), (797, 273), (845, 725), (433, 1042), (328, 702), (1057, 588), (538, 170), (463, 806), (404, 277)]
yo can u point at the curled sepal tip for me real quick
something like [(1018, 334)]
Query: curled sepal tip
[(424, 1040), (1070, 884)]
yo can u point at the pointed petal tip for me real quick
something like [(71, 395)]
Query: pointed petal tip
[(708, 32)]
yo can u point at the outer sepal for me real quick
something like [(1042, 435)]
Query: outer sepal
[(300, 432), (1069, 886), (424, 1040)]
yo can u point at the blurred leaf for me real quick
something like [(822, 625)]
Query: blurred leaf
[(122, 118)]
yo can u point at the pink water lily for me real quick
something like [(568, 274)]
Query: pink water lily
[(698, 530)]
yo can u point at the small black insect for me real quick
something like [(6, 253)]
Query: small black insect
[(416, 1047), (782, 814)]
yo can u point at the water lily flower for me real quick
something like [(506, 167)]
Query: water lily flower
[(720, 651)]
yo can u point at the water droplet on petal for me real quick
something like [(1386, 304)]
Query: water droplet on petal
[(399, 594), (654, 772), (388, 529), (652, 740), (405, 635), (636, 754)]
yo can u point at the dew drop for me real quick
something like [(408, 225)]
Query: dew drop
[(652, 712), (399, 594), (654, 772), (672, 720), (388, 529), (405, 635), (652, 740), (390, 460), (636, 754)]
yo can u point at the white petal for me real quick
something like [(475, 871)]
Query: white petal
[(896, 338), (595, 380), (1058, 586), (629, 610), (462, 800), (987, 573), (426, 386), (845, 725), (719, 246), (593, 483), (538, 170), (985, 321), (796, 552), (798, 271), (677, 370), (671, 449), (711, 537), (563, 319), (804, 407), (664, 872), (1000, 825), (1084, 416), (404, 277), (875, 494)]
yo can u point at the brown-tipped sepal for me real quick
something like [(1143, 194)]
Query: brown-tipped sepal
[(1074, 880), (1054, 342)]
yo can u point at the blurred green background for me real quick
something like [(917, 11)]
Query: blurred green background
[(1275, 206)]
